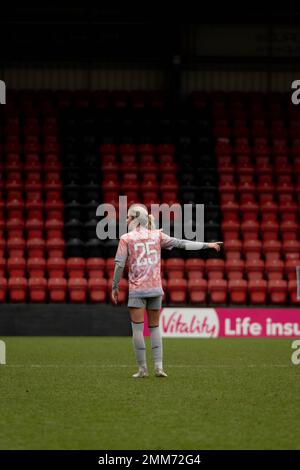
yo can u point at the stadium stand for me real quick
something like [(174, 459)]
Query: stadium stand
[(63, 153)]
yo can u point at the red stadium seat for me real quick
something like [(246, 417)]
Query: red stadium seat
[(223, 147), (3, 289), (146, 149), (194, 268), (277, 291), (97, 289), (174, 268), (53, 190), (167, 166), (252, 248), (197, 288), (127, 152), (233, 248), (33, 176), (54, 210), (241, 146), (2, 206), (15, 209), (56, 267), (234, 268), (110, 185), (37, 287), (288, 212), (255, 268), (77, 290), (36, 248), (15, 247), (2, 228), (16, 267), (237, 291), (217, 289), (215, 268), (261, 146), (230, 211), (15, 228), (55, 248), (108, 149), (274, 268), (36, 267), (128, 165), (2, 267), (34, 228), (150, 197), (249, 211), (257, 291), (177, 290), (54, 229), (95, 268), (14, 190), (272, 249), (228, 191), (17, 289), (33, 191), (250, 229), (169, 197), (165, 149), (291, 249), (57, 288), (270, 230), (34, 210), (76, 268), (230, 229), (289, 230), (109, 162)]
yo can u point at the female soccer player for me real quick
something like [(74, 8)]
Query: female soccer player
[(141, 247)]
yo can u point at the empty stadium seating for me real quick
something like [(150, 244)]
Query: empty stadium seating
[(62, 155)]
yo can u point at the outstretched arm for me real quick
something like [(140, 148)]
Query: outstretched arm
[(192, 245), (168, 243)]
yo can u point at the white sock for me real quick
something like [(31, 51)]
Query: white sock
[(156, 347), (139, 343)]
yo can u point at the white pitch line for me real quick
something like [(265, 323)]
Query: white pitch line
[(116, 366)]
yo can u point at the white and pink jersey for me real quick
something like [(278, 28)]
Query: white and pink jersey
[(142, 249)]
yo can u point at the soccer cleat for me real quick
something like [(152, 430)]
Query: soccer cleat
[(160, 373), (141, 373)]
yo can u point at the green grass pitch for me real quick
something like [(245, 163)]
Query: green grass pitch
[(77, 393)]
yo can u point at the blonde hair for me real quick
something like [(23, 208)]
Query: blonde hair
[(143, 218)]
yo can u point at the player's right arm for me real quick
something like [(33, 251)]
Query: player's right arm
[(120, 261)]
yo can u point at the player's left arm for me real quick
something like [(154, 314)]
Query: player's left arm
[(172, 242), (192, 245)]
